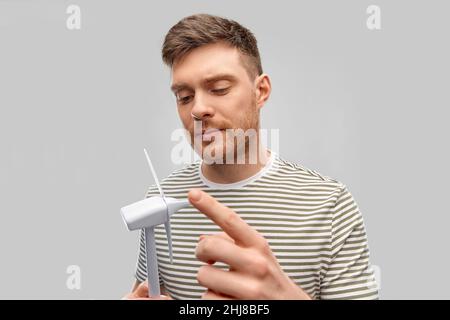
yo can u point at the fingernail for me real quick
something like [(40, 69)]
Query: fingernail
[(195, 195)]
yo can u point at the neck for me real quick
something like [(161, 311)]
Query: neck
[(231, 173)]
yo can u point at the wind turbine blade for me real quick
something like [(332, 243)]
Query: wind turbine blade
[(154, 174)]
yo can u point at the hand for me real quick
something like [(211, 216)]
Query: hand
[(141, 293), (254, 271)]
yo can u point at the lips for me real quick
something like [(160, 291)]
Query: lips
[(211, 130), (209, 133)]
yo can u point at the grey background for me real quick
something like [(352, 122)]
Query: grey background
[(368, 108)]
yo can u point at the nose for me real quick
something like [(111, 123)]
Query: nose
[(201, 110)]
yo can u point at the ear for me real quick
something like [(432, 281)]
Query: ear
[(263, 89)]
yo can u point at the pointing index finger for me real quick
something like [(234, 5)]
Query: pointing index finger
[(228, 220)]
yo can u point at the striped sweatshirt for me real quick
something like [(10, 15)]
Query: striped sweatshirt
[(311, 222)]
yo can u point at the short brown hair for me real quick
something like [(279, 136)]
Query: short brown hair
[(201, 29)]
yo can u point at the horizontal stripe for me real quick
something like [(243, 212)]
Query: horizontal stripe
[(311, 222)]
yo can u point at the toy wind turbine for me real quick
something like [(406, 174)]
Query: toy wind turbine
[(147, 214)]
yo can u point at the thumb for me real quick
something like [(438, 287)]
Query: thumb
[(142, 290), (162, 297)]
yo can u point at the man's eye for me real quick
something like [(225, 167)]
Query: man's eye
[(184, 100), (220, 91)]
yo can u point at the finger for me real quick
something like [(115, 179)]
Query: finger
[(228, 220), (142, 290), (162, 297), (147, 298), (215, 248), (211, 295), (224, 236), (227, 282)]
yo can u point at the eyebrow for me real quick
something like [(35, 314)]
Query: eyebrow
[(222, 76)]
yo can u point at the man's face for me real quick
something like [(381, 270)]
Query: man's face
[(211, 83)]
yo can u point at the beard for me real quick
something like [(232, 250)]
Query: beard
[(239, 144)]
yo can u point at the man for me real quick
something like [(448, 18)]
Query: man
[(264, 229)]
